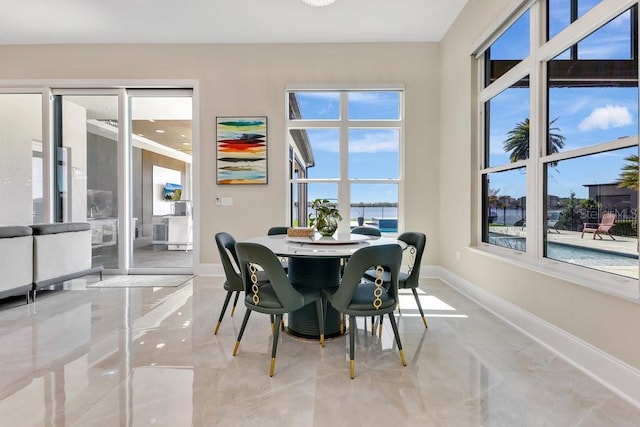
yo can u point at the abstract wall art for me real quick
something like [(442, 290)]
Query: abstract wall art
[(241, 150)]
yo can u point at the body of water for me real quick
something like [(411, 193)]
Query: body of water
[(374, 212)]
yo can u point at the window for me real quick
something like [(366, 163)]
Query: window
[(506, 139), (592, 107), (508, 50), (562, 13), (559, 139), (345, 145)]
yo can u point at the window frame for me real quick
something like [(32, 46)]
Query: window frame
[(535, 65), (344, 124)]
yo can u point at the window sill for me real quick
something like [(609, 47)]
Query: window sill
[(607, 283)]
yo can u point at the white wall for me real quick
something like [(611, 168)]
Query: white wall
[(250, 80), (603, 321), (20, 125)]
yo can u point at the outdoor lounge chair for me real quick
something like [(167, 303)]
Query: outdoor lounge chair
[(604, 226), (552, 221)]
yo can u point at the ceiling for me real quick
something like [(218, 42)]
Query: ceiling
[(164, 120), (224, 21), (170, 133)]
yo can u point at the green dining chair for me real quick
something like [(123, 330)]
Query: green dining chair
[(277, 230), (277, 297), (416, 242), (373, 232), (368, 299), (233, 280), (366, 231)]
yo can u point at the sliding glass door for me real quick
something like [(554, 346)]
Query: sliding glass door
[(123, 164), (161, 182), (86, 174)]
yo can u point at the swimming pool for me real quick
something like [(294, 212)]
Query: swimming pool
[(589, 257), (574, 254)]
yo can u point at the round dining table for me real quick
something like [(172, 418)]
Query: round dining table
[(316, 262)]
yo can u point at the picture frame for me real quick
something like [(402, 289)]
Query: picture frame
[(241, 150)]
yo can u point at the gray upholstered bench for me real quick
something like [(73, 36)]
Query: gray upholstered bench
[(61, 251), (16, 261)]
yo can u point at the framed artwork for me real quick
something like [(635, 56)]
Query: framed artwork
[(241, 149)]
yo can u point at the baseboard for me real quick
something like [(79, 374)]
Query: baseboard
[(614, 374)]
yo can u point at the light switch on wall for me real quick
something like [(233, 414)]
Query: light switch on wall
[(227, 201)]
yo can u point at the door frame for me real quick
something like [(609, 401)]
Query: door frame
[(48, 88)]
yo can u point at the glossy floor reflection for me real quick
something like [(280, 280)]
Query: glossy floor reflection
[(147, 356)]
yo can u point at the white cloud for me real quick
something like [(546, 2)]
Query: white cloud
[(621, 21), (611, 116), (364, 96), (374, 143)]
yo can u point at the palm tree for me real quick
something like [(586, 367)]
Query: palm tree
[(629, 175), (518, 141)]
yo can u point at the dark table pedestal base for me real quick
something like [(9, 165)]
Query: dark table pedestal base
[(316, 273)]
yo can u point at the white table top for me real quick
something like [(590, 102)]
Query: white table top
[(343, 246)]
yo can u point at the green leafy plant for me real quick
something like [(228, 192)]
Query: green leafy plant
[(629, 174), (325, 217), (518, 141)]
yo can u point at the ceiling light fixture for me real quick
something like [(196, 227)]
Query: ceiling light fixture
[(318, 3)]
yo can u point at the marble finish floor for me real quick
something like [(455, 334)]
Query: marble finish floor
[(145, 255), (147, 356)]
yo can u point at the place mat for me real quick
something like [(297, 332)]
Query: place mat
[(142, 281)]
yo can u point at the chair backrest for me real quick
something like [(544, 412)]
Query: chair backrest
[(254, 253), (367, 231), (388, 257), (227, 245), (274, 231), (608, 219), (416, 242)]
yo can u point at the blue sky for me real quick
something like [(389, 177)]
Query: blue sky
[(585, 116), (373, 152)]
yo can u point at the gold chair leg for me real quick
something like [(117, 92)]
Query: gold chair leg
[(341, 324), (322, 340), (424, 320), (380, 330), (235, 349), (373, 326), (217, 327), (404, 361), (273, 366), (352, 368)]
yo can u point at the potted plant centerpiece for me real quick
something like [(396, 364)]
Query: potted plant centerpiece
[(325, 217)]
